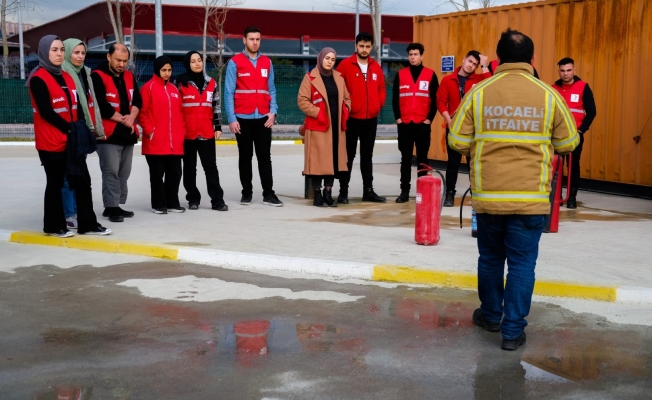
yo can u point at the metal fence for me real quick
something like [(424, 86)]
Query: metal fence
[(16, 109)]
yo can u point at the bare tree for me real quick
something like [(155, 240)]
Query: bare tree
[(375, 8), (210, 8), (466, 5), (218, 21), (116, 18), (5, 7)]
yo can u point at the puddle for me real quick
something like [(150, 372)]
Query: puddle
[(589, 214), (191, 288)]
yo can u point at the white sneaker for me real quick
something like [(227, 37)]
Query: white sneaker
[(100, 230), (71, 222), (62, 234)]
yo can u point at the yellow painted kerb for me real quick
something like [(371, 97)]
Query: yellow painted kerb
[(460, 280), (96, 244)]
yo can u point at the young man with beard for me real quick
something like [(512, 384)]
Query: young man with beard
[(579, 98), (415, 89), (119, 101), (366, 83), (452, 90), (250, 102)]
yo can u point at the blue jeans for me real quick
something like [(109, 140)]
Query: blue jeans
[(514, 238), (68, 197)]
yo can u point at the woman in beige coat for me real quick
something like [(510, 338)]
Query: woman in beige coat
[(324, 99)]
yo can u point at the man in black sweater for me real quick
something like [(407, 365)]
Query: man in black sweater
[(119, 101), (415, 106)]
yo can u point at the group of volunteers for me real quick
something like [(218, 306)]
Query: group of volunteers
[(507, 122)]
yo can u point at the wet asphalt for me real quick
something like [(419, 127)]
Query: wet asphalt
[(97, 333)]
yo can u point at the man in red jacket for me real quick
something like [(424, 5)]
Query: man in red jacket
[(366, 83), (450, 94)]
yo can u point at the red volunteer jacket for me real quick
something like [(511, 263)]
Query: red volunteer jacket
[(113, 98), (161, 118), (47, 137), (251, 88), (414, 97), (322, 122), (448, 94), (574, 96), (198, 110), (367, 97)]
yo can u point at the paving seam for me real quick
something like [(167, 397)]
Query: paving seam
[(337, 269)]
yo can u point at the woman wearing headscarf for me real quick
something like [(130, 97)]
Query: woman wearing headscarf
[(324, 99), (73, 63), (201, 113), (164, 131), (55, 106)]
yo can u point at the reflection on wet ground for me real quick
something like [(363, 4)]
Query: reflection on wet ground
[(591, 214), (79, 334)]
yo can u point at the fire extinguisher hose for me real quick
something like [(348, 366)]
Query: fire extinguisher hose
[(462, 205)]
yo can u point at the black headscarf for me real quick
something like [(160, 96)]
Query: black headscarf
[(43, 53), (160, 63), (190, 76)]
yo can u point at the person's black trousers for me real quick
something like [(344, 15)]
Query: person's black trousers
[(53, 216), (452, 166), (316, 180), (410, 135), (575, 166), (206, 151), (164, 180), (254, 134), (365, 131)]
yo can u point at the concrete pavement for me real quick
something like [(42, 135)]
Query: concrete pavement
[(602, 244)]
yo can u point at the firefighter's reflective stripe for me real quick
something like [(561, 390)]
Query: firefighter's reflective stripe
[(513, 137), (565, 112), (531, 197), (478, 165), (543, 177), (459, 114)]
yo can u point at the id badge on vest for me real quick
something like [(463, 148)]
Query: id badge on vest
[(263, 72), (575, 98), (209, 96), (423, 85)]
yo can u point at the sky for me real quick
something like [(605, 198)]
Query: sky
[(48, 10)]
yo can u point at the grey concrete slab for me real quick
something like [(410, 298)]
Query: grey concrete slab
[(602, 243), (152, 330)]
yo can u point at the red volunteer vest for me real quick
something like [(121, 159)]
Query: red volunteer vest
[(48, 137), (198, 110), (574, 96), (322, 122), (113, 98), (414, 98), (251, 88)]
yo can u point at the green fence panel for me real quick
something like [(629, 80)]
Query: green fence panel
[(16, 108)]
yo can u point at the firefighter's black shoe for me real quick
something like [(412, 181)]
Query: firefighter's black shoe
[(511, 345), (404, 197), (478, 319), (449, 201), (370, 195)]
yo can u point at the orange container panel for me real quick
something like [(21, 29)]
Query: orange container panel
[(611, 42)]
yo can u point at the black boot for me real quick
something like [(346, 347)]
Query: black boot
[(343, 198), (450, 198), (318, 201), (370, 195), (572, 199), (328, 198), (404, 197)]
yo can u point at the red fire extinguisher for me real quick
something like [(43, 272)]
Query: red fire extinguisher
[(552, 226), (429, 205)]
